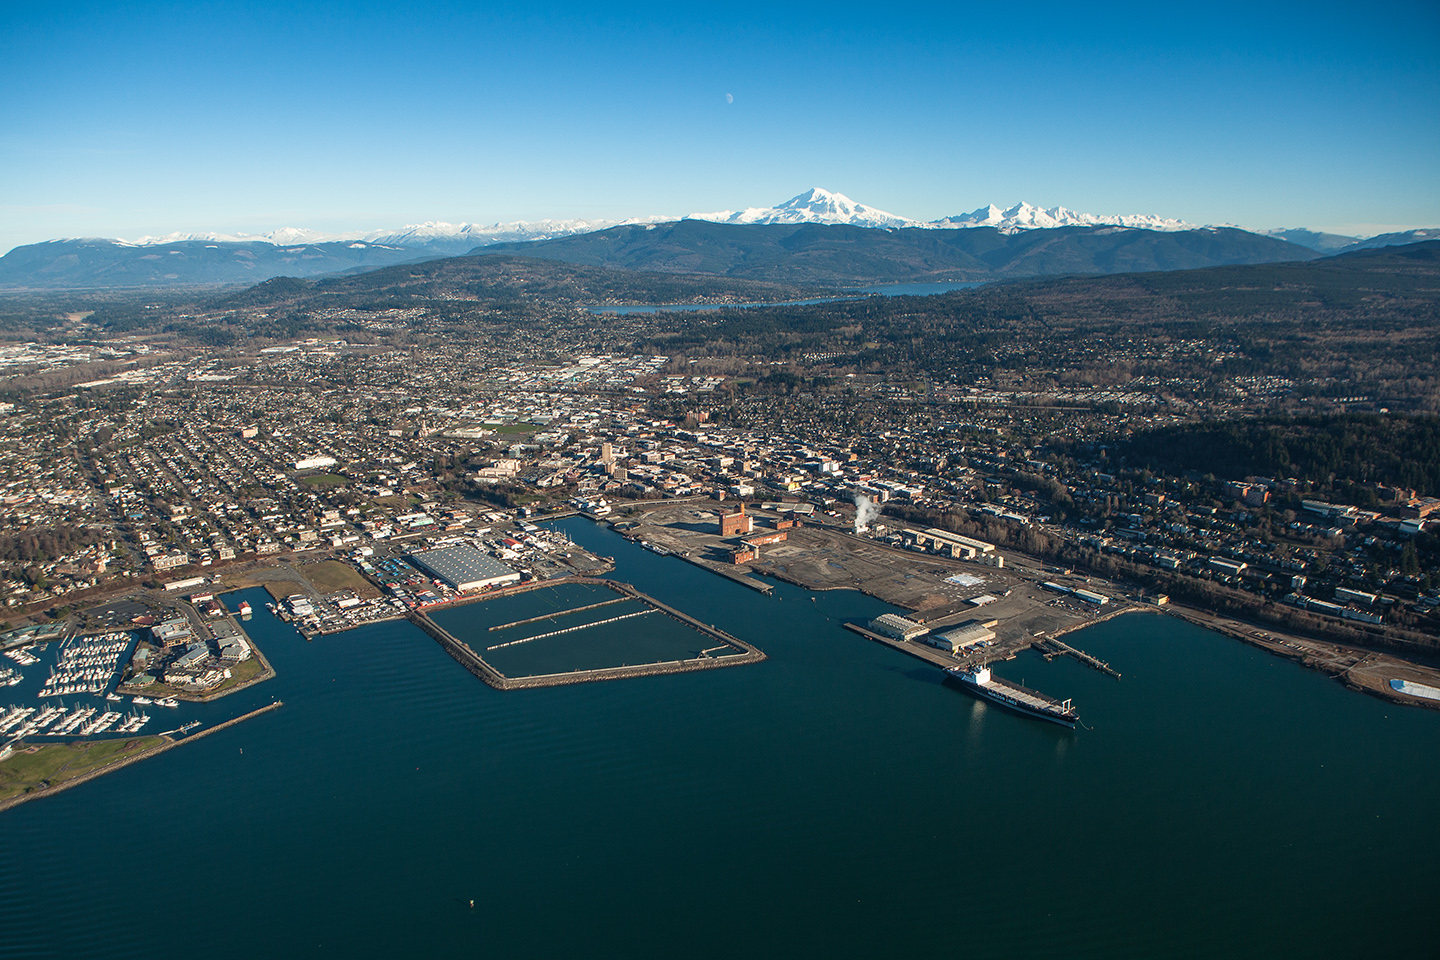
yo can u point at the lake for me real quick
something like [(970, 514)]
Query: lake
[(884, 289)]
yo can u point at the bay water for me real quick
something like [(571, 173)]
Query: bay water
[(837, 800)]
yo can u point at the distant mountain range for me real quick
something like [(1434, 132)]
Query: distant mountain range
[(929, 249), (1397, 282), (821, 206), (838, 254)]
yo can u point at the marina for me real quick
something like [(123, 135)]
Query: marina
[(582, 647), (87, 665), (22, 656), (82, 721)]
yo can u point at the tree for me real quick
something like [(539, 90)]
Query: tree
[(1409, 561)]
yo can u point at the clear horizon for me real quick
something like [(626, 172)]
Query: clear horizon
[(165, 118)]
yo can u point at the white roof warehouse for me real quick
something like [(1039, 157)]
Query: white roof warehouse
[(464, 567)]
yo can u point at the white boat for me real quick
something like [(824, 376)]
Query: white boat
[(167, 702), (143, 701)]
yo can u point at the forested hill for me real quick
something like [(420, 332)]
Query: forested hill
[(1364, 323), (1393, 284), (818, 253), (504, 281), (1334, 452)]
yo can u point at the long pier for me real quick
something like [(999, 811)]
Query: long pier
[(920, 651), (744, 579), (581, 626), (476, 664), (557, 613), (1055, 647)]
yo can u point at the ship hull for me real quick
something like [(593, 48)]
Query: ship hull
[(997, 696)]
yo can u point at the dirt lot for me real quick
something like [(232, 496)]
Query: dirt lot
[(827, 558), (331, 576)]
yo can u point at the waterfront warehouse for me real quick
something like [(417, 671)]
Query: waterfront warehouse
[(901, 628), (464, 567)]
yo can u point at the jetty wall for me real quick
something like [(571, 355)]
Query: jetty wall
[(467, 657), (167, 743)]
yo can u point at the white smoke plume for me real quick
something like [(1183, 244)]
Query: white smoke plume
[(865, 512)]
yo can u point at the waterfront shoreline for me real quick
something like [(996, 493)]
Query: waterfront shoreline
[(266, 673), (1358, 675), (167, 743)]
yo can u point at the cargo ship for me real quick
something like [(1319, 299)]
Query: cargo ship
[(1012, 696)]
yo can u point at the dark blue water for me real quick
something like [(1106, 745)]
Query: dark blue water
[(918, 289), (836, 800), (628, 308)]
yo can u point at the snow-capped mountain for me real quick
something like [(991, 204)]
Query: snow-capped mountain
[(1395, 239), (1023, 216), (822, 206), (477, 234), (815, 205), (464, 235), (284, 237)]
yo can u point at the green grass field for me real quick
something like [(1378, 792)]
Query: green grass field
[(324, 480), (512, 427), (55, 763)]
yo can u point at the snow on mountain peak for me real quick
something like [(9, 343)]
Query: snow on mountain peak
[(1024, 216), (815, 205), (818, 205), (429, 232)]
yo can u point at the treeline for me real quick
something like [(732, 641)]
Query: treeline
[(1330, 452), (46, 544), (1371, 326)]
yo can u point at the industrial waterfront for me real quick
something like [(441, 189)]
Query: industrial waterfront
[(838, 799)]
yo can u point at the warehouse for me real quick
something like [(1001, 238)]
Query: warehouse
[(967, 634), (464, 567), (901, 628)]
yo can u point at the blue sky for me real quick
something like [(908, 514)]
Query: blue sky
[(125, 119)]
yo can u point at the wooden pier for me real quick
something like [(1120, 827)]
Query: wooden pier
[(1051, 647)]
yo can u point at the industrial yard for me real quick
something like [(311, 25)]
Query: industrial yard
[(823, 553)]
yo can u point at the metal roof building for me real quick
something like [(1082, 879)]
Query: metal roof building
[(464, 567), (894, 625), (965, 635)]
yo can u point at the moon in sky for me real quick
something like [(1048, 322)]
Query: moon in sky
[(729, 98)]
